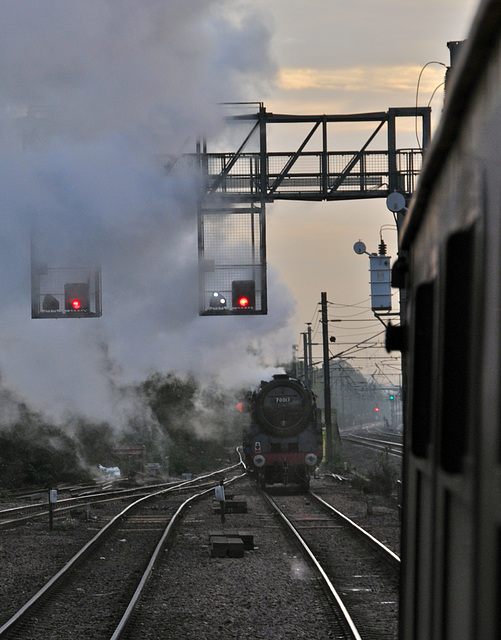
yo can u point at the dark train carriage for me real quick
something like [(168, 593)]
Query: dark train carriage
[(283, 440), (451, 243)]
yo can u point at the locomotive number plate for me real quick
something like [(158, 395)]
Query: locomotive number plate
[(282, 399)]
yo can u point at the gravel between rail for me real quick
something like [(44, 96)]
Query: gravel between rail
[(263, 595)]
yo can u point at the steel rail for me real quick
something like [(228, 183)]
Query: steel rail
[(63, 573), (346, 618), (67, 504), (386, 553), (393, 448), (370, 439), (124, 622)]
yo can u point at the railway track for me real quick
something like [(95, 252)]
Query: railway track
[(268, 594), (360, 574), (393, 448), (121, 591), (68, 605), (19, 515)]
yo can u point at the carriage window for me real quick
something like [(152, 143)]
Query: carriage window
[(456, 360), (422, 379)]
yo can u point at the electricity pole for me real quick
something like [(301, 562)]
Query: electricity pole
[(305, 361), (310, 357), (329, 454)]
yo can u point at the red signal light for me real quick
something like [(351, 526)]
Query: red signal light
[(76, 296), (376, 408), (243, 294)]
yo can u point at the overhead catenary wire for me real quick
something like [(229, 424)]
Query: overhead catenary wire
[(435, 91), (357, 334), (417, 94)]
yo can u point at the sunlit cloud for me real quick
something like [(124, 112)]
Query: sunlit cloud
[(363, 79)]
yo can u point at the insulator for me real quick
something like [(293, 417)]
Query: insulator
[(382, 248)]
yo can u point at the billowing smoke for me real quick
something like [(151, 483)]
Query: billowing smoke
[(93, 94)]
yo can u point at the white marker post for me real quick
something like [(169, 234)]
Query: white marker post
[(52, 502)]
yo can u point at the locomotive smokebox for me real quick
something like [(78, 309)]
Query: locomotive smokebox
[(283, 407)]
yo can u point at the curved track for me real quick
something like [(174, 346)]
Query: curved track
[(130, 541), (17, 516), (131, 587)]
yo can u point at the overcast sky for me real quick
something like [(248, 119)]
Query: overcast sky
[(122, 81)]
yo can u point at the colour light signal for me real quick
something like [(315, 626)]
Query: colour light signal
[(243, 294), (76, 296)]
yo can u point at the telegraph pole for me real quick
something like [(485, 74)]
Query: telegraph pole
[(310, 356), (305, 361), (329, 454)]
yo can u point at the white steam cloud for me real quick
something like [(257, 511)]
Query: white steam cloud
[(101, 89)]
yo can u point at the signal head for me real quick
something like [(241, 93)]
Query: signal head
[(76, 296), (243, 293), (217, 301)]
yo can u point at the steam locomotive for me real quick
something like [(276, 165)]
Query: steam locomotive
[(283, 439)]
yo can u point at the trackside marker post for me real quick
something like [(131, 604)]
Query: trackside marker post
[(52, 502)]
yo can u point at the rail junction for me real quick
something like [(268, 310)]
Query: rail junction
[(149, 560)]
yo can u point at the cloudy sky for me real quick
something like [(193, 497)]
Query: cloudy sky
[(349, 57), (115, 84)]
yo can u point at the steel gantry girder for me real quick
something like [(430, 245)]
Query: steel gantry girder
[(237, 185), (315, 171)]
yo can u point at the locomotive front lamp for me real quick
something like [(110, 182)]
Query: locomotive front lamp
[(311, 459), (259, 461)]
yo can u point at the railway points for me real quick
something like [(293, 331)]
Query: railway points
[(192, 544)]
